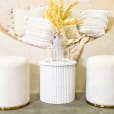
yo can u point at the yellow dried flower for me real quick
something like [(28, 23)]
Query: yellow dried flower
[(69, 10), (72, 22), (58, 17), (52, 3), (51, 19), (61, 8)]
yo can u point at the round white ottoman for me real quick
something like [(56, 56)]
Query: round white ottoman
[(57, 81), (14, 82), (100, 81)]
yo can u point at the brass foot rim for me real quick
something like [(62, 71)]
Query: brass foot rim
[(14, 108), (99, 105)]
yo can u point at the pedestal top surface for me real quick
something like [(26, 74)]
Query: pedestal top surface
[(63, 62)]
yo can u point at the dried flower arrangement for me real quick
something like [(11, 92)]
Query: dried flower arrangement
[(59, 17)]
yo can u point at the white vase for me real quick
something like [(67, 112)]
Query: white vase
[(57, 81)]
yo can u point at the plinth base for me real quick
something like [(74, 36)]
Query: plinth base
[(14, 108), (99, 105)]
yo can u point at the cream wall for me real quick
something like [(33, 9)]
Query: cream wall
[(10, 46)]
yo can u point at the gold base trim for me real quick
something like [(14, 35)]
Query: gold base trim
[(14, 108), (98, 105)]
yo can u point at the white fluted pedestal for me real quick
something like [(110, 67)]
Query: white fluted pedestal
[(57, 81), (100, 81), (14, 82)]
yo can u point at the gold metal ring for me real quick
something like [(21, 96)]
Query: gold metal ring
[(14, 108), (98, 105)]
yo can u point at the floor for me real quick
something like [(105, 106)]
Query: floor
[(79, 106)]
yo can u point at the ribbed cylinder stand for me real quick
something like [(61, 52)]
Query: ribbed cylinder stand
[(57, 81)]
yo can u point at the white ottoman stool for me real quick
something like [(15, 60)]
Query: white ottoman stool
[(14, 82), (100, 81)]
